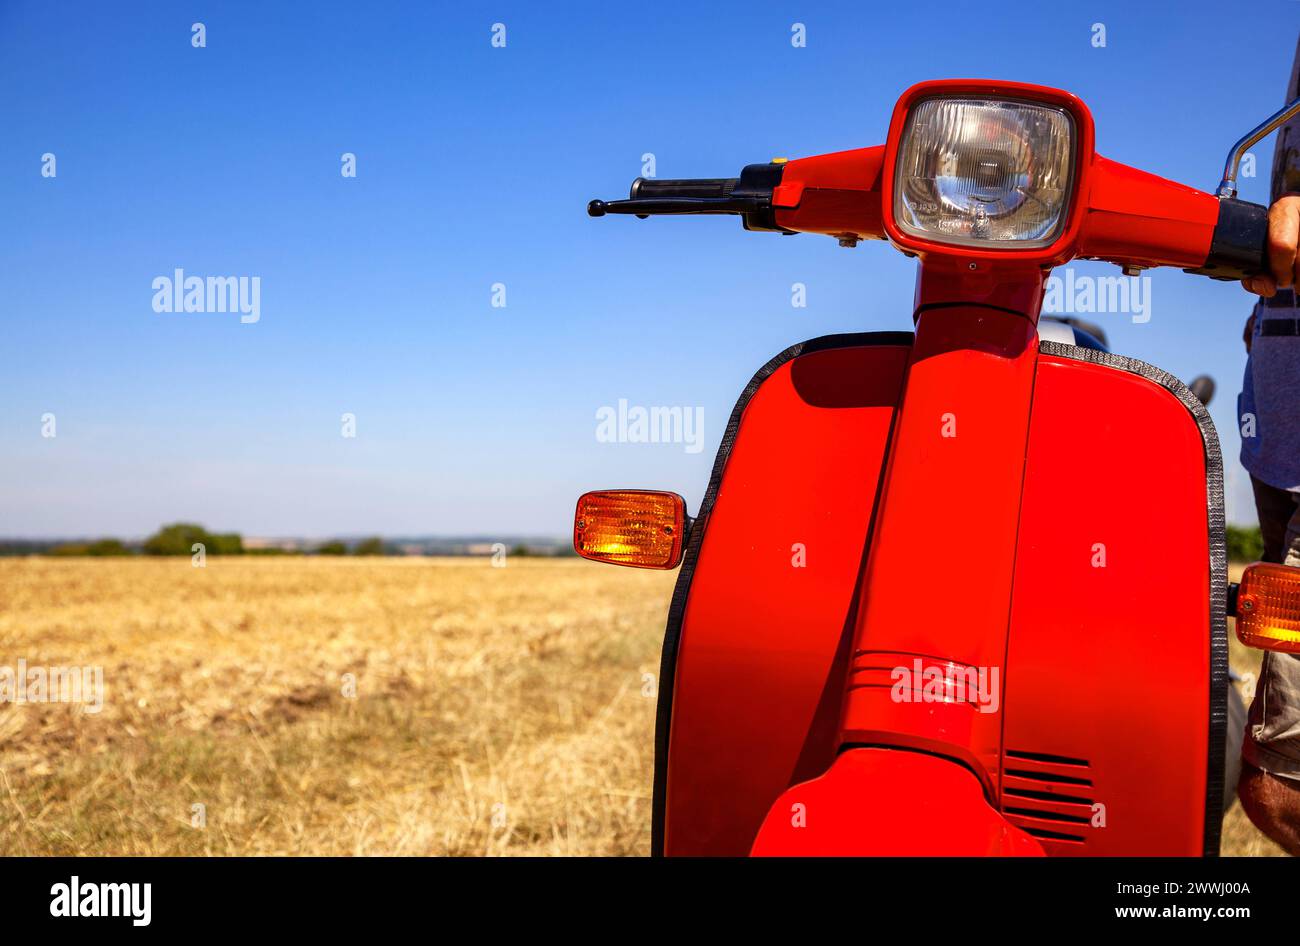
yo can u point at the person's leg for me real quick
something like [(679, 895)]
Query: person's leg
[(1273, 806), (1275, 508), (1269, 787)]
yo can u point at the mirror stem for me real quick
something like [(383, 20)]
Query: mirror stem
[(1228, 186)]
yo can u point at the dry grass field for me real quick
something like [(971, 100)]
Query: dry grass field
[(496, 710)]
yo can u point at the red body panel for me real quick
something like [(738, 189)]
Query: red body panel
[(1138, 218), (982, 557), (939, 572), (1108, 657), (836, 194), (757, 697), (919, 806)]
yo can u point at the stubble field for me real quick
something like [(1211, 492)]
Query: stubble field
[(341, 706), (496, 710)]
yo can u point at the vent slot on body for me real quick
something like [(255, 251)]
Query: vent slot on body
[(1048, 796)]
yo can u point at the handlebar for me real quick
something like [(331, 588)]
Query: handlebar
[(749, 196), (1131, 218), (646, 187), (645, 206), (1239, 246)]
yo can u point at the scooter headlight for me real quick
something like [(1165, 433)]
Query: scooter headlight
[(984, 172)]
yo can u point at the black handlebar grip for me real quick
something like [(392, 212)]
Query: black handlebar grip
[(644, 187), (1239, 247)]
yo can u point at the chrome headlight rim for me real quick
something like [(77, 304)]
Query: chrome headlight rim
[(1075, 133)]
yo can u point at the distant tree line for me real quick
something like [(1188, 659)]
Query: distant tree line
[(1245, 544), (179, 538), (371, 546), (99, 547)]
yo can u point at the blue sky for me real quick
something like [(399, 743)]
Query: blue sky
[(474, 165)]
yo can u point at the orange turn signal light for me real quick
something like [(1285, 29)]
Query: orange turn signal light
[(637, 527), (1268, 607)]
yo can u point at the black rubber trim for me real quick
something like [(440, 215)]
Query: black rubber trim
[(1218, 695), (682, 590), (761, 181), (1239, 245)]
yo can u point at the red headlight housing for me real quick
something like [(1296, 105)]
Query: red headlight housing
[(987, 170)]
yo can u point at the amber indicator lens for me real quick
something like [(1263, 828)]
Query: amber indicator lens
[(1268, 607), (640, 528)]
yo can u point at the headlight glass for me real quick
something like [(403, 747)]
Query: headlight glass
[(984, 172)]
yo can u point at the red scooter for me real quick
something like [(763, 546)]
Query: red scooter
[(896, 626)]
